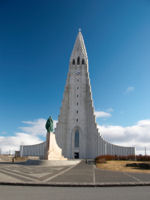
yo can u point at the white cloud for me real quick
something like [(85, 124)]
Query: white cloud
[(129, 89), (36, 127), (30, 135), (102, 114), (12, 143), (137, 135), (54, 123)]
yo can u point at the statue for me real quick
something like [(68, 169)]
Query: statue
[(49, 125)]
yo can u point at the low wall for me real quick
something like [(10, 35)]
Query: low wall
[(33, 150), (106, 148)]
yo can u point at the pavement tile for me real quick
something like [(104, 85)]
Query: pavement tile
[(111, 176), (141, 176), (82, 173)]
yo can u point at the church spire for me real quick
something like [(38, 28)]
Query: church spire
[(79, 49)]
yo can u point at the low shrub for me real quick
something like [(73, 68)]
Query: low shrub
[(139, 165), (142, 158), (115, 157)]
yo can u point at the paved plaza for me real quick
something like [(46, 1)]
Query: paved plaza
[(73, 193), (80, 174)]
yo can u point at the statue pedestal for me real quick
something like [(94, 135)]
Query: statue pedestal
[(53, 151)]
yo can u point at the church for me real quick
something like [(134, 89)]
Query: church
[(76, 133)]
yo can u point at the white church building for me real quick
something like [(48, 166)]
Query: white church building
[(76, 131)]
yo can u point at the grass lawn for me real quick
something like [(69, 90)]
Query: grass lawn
[(118, 165)]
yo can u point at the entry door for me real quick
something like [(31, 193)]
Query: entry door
[(76, 155)]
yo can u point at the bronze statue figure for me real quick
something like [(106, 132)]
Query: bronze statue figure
[(49, 125)]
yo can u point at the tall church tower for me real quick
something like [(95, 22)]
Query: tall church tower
[(76, 131)]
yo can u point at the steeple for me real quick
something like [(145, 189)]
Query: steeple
[(79, 49), (76, 131)]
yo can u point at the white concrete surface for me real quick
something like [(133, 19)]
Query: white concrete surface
[(77, 113)]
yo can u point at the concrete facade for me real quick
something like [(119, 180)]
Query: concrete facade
[(33, 150), (76, 131)]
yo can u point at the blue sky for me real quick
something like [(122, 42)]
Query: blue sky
[(36, 40)]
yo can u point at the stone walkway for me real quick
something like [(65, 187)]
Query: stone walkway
[(81, 174)]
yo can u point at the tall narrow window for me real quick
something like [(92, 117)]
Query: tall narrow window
[(83, 61), (78, 61), (73, 62), (76, 139)]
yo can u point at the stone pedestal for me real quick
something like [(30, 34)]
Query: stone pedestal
[(53, 152)]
